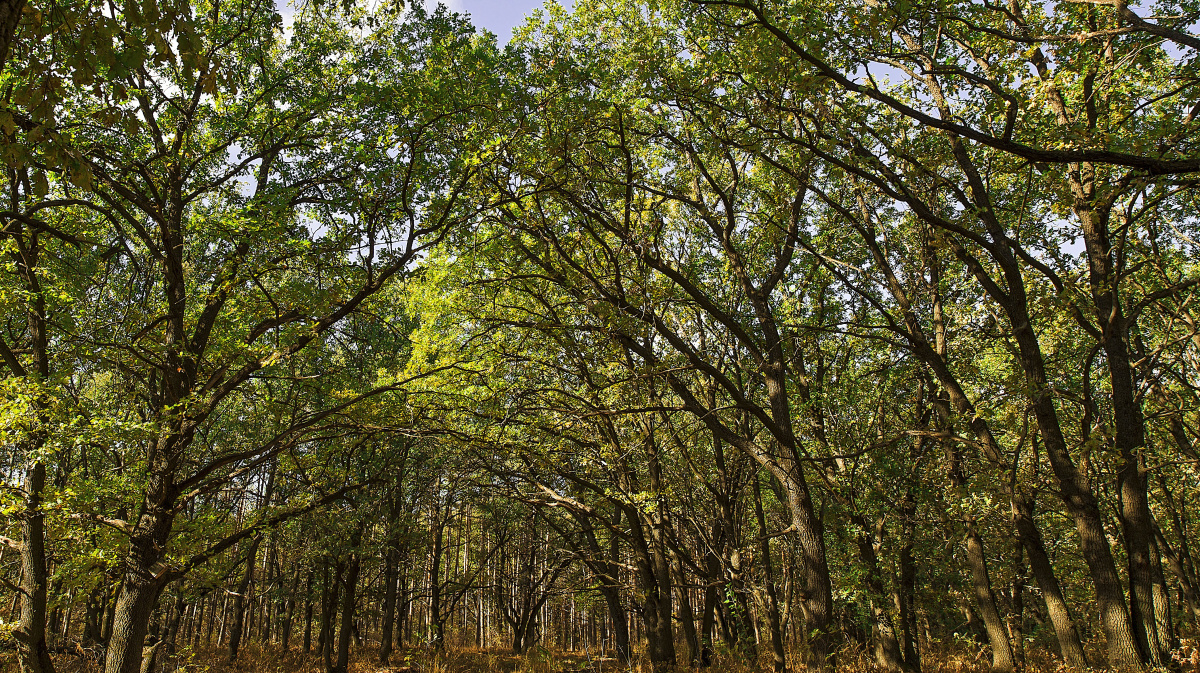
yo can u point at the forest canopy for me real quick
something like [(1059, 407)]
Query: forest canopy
[(677, 332)]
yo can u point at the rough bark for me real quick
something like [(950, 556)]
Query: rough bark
[(131, 621), (885, 646), (10, 16), (778, 655), (1043, 574), (30, 633), (1002, 656)]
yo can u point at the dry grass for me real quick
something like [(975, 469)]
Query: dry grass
[(257, 659)]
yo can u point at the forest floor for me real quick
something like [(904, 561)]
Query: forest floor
[(540, 660)]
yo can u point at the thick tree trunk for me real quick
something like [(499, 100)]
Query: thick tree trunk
[(1075, 491), (131, 622), (817, 595)]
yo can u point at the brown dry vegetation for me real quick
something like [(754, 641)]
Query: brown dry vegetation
[(257, 659)]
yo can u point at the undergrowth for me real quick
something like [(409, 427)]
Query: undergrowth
[(257, 659)]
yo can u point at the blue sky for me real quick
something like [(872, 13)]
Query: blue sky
[(498, 16)]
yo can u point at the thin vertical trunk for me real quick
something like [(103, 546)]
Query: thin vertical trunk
[(1187, 585), (437, 620), (93, 613), (1002, 656), (348, 598), (1043, 574), (240, 600), (687, 618), (390, 573), (778, 656), (329, 614), (289, 612), (906, 586), (308, 611), (1162, 603), (30, 633), (883, 633), (1016, 624), (708, 614)]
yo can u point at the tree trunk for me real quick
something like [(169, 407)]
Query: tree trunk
[(1136, 525), (289, 612), (1075, 490), (435, 581), (778, 656), (1129, 424), (30, 633), (10, 15), (1162, 603), (329, 614), (905, 594), (687, 618), (131, 622), (1187, 585), (1043, 574), (240, 599), (348, 598), (655, 586), (1002, 656), (93, 614), (390, 574), (308, 612), (883, 633)]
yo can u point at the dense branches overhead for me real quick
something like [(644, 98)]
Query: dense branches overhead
[(687, 330)]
